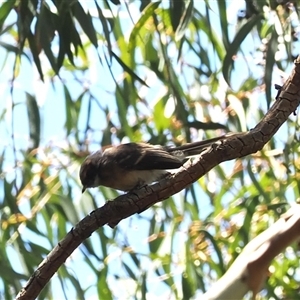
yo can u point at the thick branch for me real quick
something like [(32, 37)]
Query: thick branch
[(250, 269), (237, 145)]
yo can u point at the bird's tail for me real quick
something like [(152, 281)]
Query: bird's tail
[(195, 148)]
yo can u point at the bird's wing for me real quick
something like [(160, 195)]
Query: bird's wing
[(141, 156)]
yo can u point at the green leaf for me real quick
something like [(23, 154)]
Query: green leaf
[(270, 61), (204, 25), (34, 120), (13, 49), (237, 106), (158, 237), (176, 11), (104, 22), (44, 33), (161, 121), (146, 14), (221, 269), (128, 70), (135, 259), (257, 184), (224, 22), (72, 109), (129, 271), (235, 45), (184, 21), (35, 54), (69, 208), (104, 291), (68, 36), (188, 278), (86, 23), (5, 9), (144, 287)]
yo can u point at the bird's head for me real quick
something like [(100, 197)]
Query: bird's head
[(89, 172)]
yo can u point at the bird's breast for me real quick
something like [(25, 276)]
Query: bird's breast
[(135, 179)]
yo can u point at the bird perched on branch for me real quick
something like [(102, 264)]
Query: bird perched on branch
[(133, 165)]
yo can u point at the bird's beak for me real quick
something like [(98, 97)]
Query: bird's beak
[(83, 189)]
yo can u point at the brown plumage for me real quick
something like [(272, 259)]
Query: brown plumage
[(133, 165)]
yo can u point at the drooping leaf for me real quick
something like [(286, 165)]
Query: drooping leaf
[(128, 69), (106, 30), (235, 45), (184, 20), (224, 22), (270, 61), (146, 14), (35, 54), (34, 120), (85, 21), (5, 9)]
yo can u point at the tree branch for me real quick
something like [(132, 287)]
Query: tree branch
[(250, 269), (236, 145)]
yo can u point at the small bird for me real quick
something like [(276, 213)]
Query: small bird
[(133, 165)]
